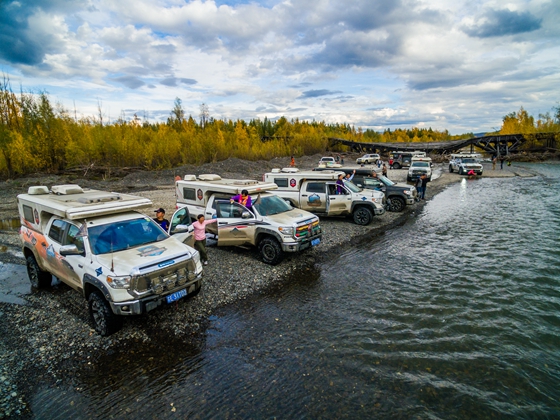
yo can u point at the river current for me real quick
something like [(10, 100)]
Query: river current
[(455, 314)]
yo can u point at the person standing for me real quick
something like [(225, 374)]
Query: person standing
[(292, 162), (424, 179), (200, 236), (502, 158), (161, 220), (340, 184), (384, 170), (379, 162), (391, 163), (244, 199), (494, 161), (419, 188), (350, 177)]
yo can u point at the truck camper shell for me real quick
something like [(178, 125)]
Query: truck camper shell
[(73, 202), (196, 189)]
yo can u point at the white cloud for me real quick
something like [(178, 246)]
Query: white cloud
[(458, 65)]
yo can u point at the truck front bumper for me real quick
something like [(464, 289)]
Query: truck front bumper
[(148, 303), (379, 211), (296, 246)]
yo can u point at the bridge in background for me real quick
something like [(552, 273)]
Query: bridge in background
[(495, 144)]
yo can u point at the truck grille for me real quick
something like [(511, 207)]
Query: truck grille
[(308, 230), (165, 279)]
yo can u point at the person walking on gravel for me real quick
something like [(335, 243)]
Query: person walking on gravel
[(200, 236)]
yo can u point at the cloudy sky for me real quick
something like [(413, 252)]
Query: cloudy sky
[(459, 65)]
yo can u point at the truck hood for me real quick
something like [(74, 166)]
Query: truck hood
[(292, 216), (403, 186), (144, 258)]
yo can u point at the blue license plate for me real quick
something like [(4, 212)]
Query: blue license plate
[(315, 241), (176, 296)]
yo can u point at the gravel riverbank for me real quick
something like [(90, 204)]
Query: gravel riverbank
[(49, 337)]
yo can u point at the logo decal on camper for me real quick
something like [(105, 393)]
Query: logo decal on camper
[(99, 271), (199, 194), (36, 215), (292, 182)]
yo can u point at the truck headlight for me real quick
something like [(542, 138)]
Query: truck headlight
[(284, 230), (407, 192), (196, 257), (120, 282)]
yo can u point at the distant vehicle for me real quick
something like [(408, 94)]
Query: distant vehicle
[(397, 195), (464, 162), (318, 192), (368, 159), (419, 166), (327, 161), (402, 159)]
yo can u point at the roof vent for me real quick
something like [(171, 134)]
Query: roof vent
[(190, 178), (37, 190), (67, 189), (209, 177), (275, 170), (290, 170)]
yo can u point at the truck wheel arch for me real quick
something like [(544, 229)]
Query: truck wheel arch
[(91, 284)]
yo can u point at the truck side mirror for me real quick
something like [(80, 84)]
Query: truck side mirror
[(245, 215), (181, 228), (69, 250)]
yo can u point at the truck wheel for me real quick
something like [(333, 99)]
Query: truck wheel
[(450, 169), (396, 165), (271, 251), (39, 278), (396, 204), (104, 320), (460, 171), (362, 216)]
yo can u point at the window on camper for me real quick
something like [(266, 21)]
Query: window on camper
[(28, 214), (281, 182), (189, 193)]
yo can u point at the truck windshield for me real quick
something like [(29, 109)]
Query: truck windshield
[(118, 236), (469, 160), (421, 164), (352, 187), (386, 181), (270, 204)]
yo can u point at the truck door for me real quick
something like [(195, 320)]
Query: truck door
[(339, 203), (314, 197), (236, 224), (68, 268), (181, 227)]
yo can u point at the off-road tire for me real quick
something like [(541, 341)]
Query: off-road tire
[(396, 165), (397, 204), (271, 251), (461, 172), (450, 169), (104, 320), (39, 279), (362, 216)]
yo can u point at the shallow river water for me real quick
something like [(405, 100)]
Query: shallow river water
[(456, 314)]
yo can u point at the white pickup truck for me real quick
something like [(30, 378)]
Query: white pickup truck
[(316, 191), (96, 242), (271, 225)]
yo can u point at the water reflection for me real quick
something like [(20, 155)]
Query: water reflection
[(10, 224)]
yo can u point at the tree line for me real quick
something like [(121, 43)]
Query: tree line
[(37, 136)]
